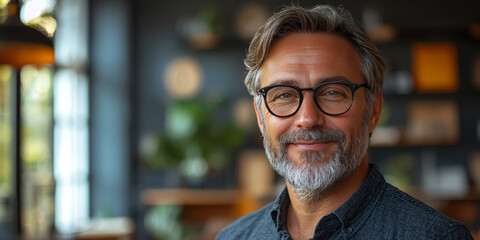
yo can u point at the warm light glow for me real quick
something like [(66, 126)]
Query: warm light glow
[(36, 100), (4, 3), (183, 77), (37, 14), (39, 79), (36, 151), (47, 24), (3, 10), (6, 73), (28, 73), (32, 9), (20, 54)]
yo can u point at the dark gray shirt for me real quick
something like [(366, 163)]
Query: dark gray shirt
[(376, 211)]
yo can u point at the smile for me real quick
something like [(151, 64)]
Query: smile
[(311, 145)]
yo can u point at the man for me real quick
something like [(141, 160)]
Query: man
[(316, 79)]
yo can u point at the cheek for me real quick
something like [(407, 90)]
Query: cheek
[(359, 128), (349, 124), (275, 126)]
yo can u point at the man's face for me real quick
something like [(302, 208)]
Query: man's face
[(310, 149)]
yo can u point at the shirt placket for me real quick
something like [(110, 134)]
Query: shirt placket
[(327, 227)]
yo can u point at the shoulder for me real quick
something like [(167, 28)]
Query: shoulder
[(418, 219), (256, 225), (410, 208)]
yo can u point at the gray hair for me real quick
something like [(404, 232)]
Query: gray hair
[(322, 18)]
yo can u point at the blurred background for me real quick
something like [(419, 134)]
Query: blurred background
[(124, 119)]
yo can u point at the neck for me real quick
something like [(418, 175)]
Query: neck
[(304, 215)]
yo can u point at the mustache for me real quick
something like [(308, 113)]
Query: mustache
[(325, 135)]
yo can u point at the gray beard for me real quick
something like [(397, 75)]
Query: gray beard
[(315, 174)]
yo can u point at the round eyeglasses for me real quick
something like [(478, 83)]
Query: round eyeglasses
[(332, 98)]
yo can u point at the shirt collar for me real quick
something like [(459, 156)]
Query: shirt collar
[(280, 209), (352, 213), (355, 211)]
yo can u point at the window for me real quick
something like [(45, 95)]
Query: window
[(71, 167)]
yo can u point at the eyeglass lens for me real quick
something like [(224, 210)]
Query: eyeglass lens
[(331, 98)]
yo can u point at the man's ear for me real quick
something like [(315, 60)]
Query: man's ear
[(259, 118), (377, 109)]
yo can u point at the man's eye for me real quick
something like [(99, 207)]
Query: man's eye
[(282, 95), (285, 96), (333, 93)]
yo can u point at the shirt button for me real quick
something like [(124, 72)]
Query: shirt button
[(349, 230)]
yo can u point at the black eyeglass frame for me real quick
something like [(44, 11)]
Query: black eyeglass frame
[(353, 87)]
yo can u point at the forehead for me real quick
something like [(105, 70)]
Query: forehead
[(311, 57)]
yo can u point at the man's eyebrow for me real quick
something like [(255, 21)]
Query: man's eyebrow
[(284, 81), (317, 82), (332, 79)]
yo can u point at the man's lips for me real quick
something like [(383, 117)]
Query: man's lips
[(311, 145)]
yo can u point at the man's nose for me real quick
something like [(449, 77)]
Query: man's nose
[(309, 115)]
